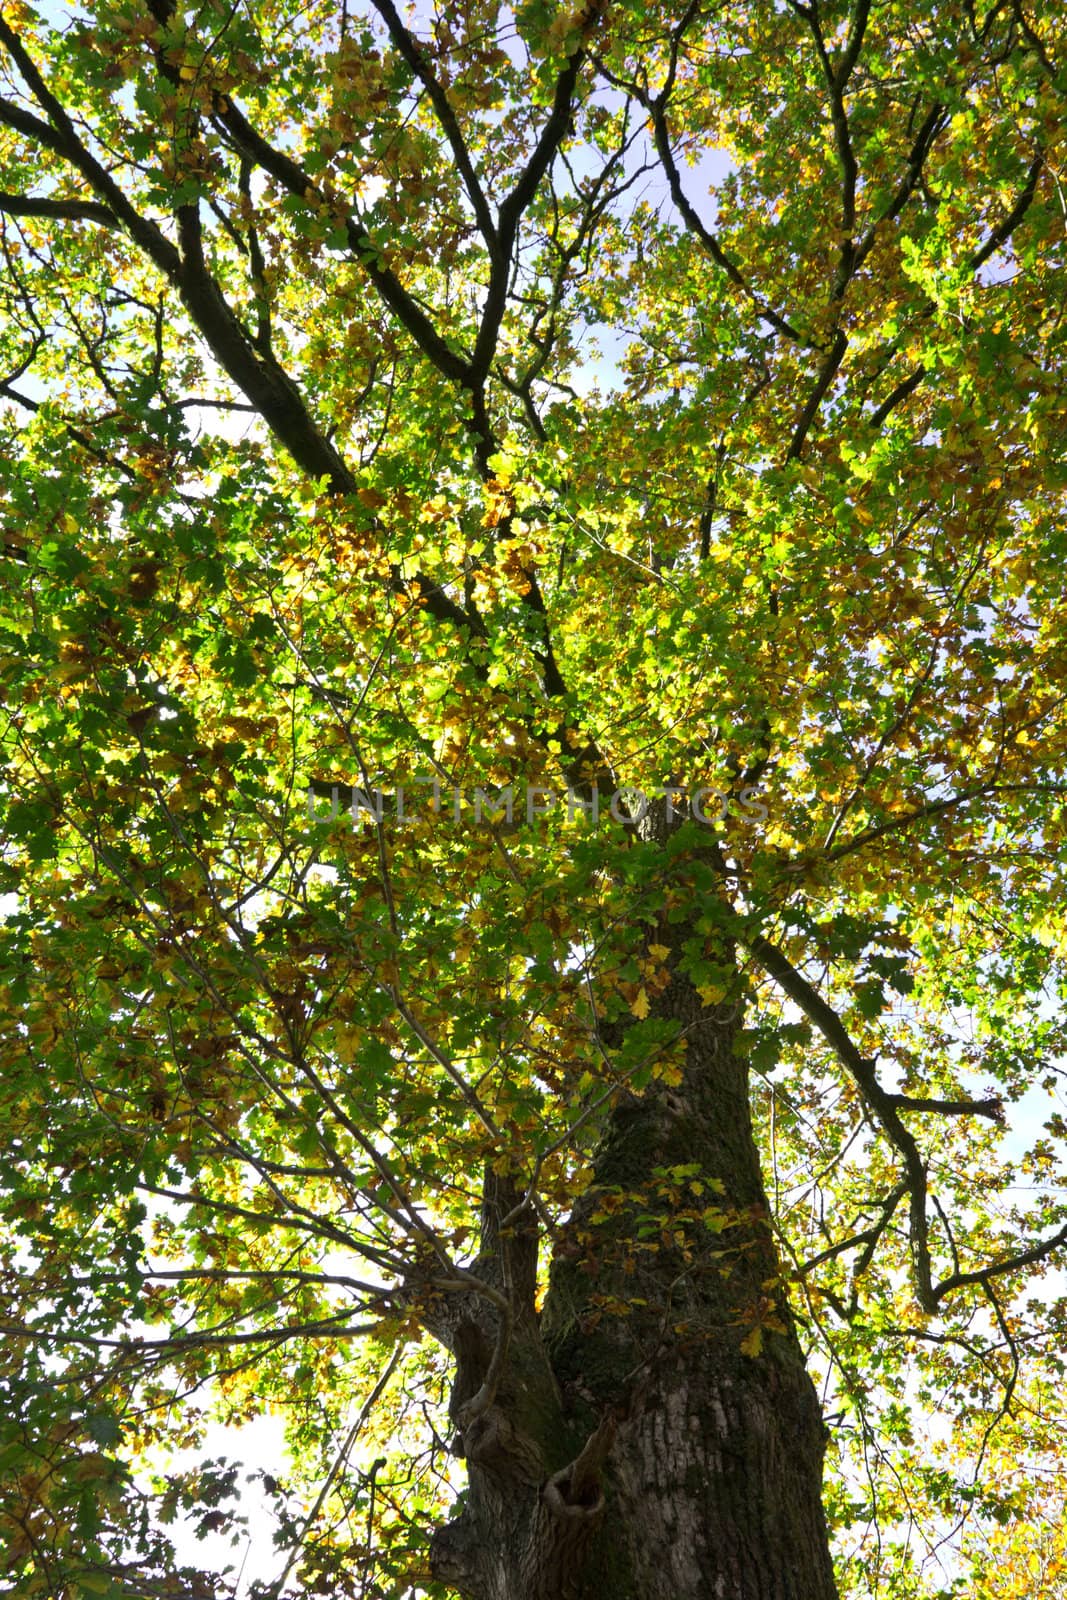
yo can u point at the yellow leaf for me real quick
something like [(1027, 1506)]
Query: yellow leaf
[(346, 1044), (639, 1007), (659, 951), (752, 1343), (712, 994)]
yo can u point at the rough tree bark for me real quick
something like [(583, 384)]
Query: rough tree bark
[(642, 1456)]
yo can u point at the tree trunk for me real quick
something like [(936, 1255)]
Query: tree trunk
[(655, 1435)]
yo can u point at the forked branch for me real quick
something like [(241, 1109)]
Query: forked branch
[(886, 1109)]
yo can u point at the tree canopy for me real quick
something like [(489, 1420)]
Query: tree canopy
[(532, 639)]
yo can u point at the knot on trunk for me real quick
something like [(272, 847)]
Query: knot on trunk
[(493, 1443), (457, 1555)]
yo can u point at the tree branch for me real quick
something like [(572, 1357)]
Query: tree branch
[(992, 1106), (297, 182), (657, 109), (834, 357), (886, 1107), (410, 50), (829, 1024), (997, 1269), (868, 1237), (999, 236), (514, 206), (255, 372), (17, 205)]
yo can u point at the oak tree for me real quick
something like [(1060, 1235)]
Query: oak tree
[(534, 674)]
